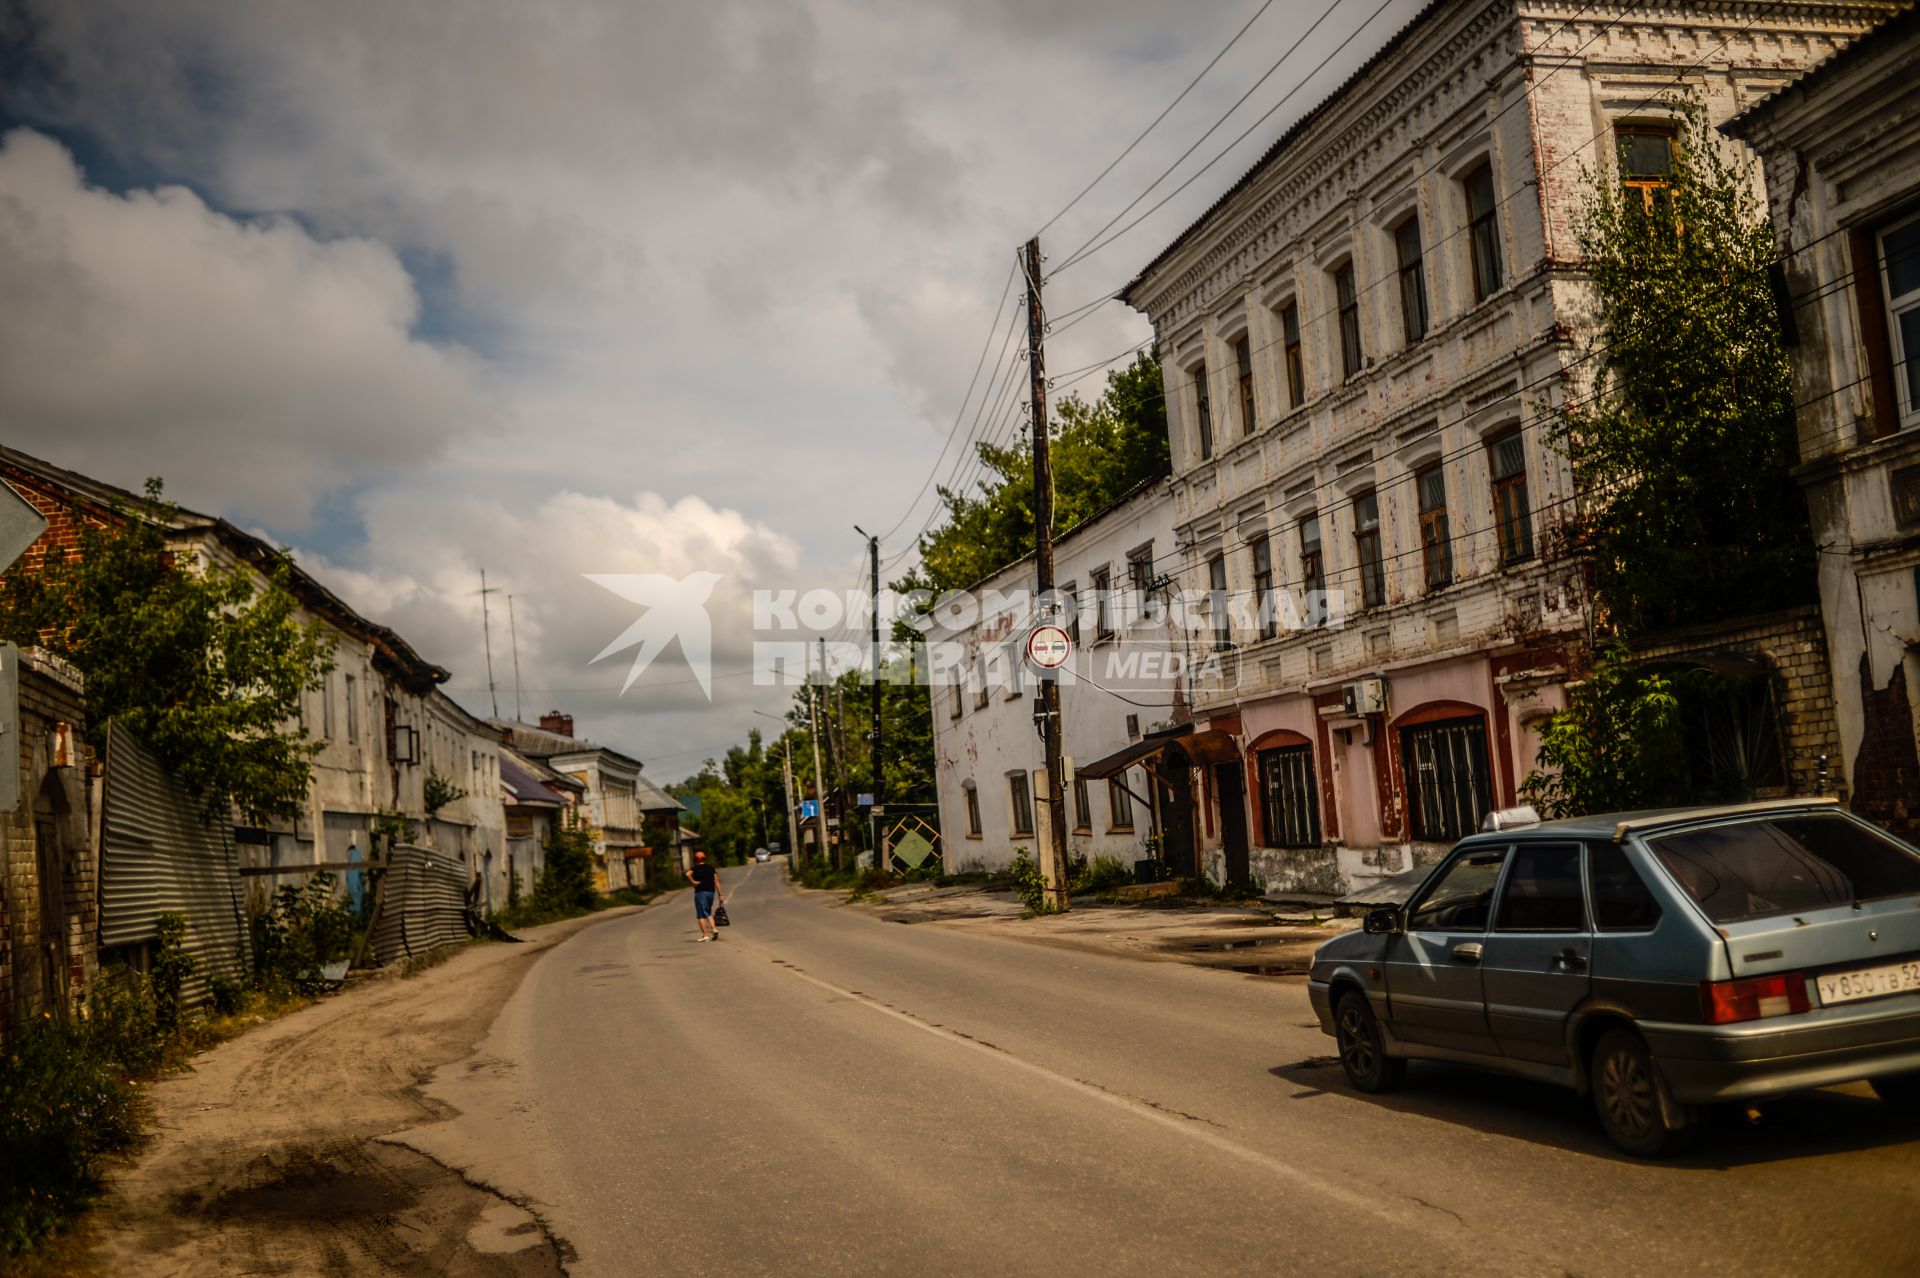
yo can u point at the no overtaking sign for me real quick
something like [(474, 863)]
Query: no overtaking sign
[(1048, 647)]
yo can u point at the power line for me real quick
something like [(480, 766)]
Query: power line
[(978, 364), (1265, 75), (1267, 4)]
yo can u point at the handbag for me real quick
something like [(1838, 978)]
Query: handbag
[(720, 918)]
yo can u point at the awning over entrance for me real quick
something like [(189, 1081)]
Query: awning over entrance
[(1210, 746)]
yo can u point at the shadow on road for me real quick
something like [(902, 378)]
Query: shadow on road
[(1807, 1125)]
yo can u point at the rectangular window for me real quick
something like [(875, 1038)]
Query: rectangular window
[(1313, 570), (1071, 594), (1900, 282), (1217, 602), (1347, 299), (1413, 280), (1366, 550), (1646, 164), (1021, 796), (1082, 805), (1288, 798), (1102, 585), (959, 699), (1263, 587), (1436, 553), (326, 709), (1119, 804), (1512, 516), (1296, 362), (1448, 778), (1483, 231), (982, 675), (1140, 580), (973, 811), (1243, 356), (1621, 899), (1543, 892), (1203, 410), (1786, 865), (353, 709)]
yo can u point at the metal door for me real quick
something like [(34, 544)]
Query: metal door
[(1433, 970), (1536, 965), (1231, 793)]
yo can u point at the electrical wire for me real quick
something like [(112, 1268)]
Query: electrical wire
[(1267, 4)]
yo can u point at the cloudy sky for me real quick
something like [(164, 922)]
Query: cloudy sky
[(603, 286)]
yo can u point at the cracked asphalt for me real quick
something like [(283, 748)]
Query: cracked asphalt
[(827, 1092)]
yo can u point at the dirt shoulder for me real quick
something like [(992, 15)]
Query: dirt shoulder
[(265, 1157), (1254, 939)]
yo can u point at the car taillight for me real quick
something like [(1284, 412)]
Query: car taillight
[(1753, 999)]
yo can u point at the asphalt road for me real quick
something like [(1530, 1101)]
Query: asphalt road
[(824, 1092)]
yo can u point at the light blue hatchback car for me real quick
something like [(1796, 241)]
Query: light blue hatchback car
[(1658, 961)]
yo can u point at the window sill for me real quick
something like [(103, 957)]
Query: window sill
[(1119, 829), (975, 837)]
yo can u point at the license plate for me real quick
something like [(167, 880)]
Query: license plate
[(1869, 982)]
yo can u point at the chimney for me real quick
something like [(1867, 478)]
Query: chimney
[(559, 724)]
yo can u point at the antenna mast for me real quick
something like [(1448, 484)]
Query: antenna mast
[(486, 634), (513, 637)]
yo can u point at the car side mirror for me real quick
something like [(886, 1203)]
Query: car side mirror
[(1384, 921)]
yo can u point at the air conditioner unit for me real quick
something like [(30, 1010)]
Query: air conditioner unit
[(1364, 697)]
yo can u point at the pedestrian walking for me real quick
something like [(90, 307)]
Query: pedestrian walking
[(706, 893)]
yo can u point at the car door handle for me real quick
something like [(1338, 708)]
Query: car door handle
[(1467, 952), (1572, 960)]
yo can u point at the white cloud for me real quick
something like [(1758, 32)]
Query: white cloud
[(252, 365), (419, 572)]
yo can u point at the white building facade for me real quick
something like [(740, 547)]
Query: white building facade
[(1361, 341), (1841, 148), (1121, 684)]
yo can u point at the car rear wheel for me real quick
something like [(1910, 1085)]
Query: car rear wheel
[(1899, 1092), (1362, 1052), (1626, 1094)]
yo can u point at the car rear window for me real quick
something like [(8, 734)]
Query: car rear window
[(1785, 865)]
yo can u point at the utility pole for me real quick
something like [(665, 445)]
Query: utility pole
[(877, 811), (1055, 869), (793, 823), (513, 637), (486, 635), (836, 748), (819, 777)]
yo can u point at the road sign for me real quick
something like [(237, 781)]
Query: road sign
[(20, 526), (809, 809), (1049, 647)]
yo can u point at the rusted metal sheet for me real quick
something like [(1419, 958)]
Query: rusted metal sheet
[(423, 904), (158, 857)]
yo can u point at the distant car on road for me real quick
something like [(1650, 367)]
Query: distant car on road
[(1658, 961), (761, 854)]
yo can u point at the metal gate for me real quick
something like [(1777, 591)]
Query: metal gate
[(422, 904), (1448, 788), (1287, 789)]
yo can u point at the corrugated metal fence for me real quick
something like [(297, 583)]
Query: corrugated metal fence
[(157, 857), (423, 903)]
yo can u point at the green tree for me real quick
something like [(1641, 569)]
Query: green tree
[(1100, 452), (1684, 450), (199, 661), (1617, 746)]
